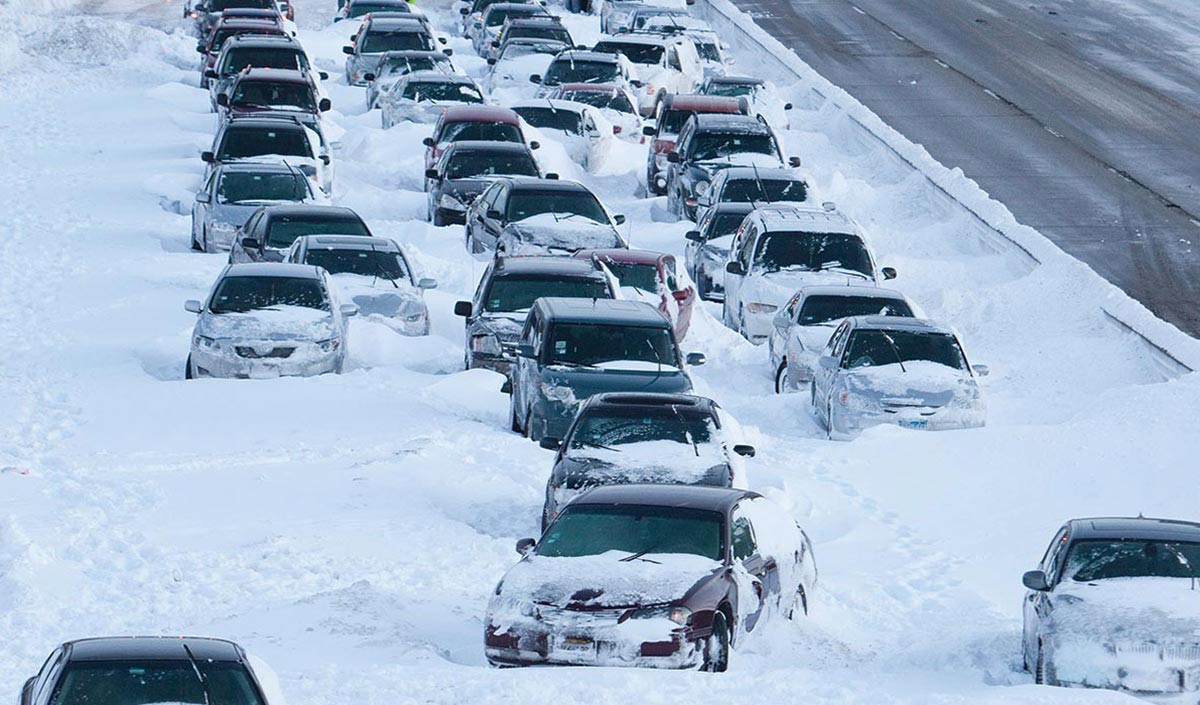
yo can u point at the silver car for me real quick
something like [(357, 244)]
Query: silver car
[(421, 96), (232, 192), (802, 328), (394, 65), (909, 372), (268, 320), (380, 34)]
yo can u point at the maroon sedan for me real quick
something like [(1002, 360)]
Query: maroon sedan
[(210, 46), (676, 109), (654, 278), (487, 123), (663, 576), (257, 90)]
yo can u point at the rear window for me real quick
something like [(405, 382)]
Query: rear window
[(636, 53), (358, 9), (517, 293), (764, 190), (480, 131), (244, 142), (395, 40), (823, 309), (496, 18), (283, 230), (238, 59), (549, 118), (273, 94), (435, 91), (464, 165)]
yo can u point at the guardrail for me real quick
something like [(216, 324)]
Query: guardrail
[(1176, 352)]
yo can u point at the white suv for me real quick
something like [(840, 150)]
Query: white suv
[(664, 64)]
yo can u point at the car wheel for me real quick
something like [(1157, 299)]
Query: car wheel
[(187, 368), (204, 240), (799, 604), (1044, 673), (781, 378), (829, 420), (513, 423), (716, 647), (527, 429)]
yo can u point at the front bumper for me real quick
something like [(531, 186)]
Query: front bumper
[(849, 422), (225, 362), (449, 216), (1166, 673), (220, 239), (564, 638)]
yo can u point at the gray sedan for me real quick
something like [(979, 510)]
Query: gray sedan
[(232, 192)]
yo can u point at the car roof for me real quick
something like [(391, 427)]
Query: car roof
[(249, 23), (1133, 528), (642, 400), (414, 54), (434, 76), (732, 207), (726, 122), (546, 103), (535, 21), (396, 3), (487, 146), (394, 21), (351, 242), (898, 323), (260, 120), (258, 73), (807, 219), (736, 80), (622, 255), (769, 172), (704, 103), (532, 183), (655, 39), (152, 648), (873, 292), (713, 499), (603, 311), (293, 210), (587, 55), (258, 168), (513, 6), (272, 269), (265, 40), (564, 266), (480, 113)]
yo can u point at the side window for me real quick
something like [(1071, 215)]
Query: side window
[(527, 332), (673, 59), (749, 238), (500, 202), (836, 342), (1055, 555), (840, 347), (669, 271), (792, 310), (742, 537), (249, 227), (539, 334), (589, 124), (48, 679)]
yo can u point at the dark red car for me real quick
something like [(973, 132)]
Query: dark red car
[(210, 46), (666, 576), (654, 276), (487, 123), (257, 90), (676, 109)]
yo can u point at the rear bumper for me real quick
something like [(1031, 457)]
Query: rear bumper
[(538, 644)]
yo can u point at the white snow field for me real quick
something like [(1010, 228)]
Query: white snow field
[(349, 529)]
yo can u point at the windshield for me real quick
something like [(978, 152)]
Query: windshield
[(872, 348), (812, 252), (558, 34), (396, 40), (723, 224), (591, 344), (284, 230), (717, 145), (638, 276), (222, 5), (243, 187), (419, 91), (572, 71), (238, 59), (481, 131), (589, 530), (496, 18), (552, 119), (219, 36), (709, 51), (731, 90), (823, 309), (399, 67), (672, 121), (619, 426), (244, 142), (763, 190), (613, 100), (636, 53), (464, 165), (1091, 560), (526, 204), (358, 9), (129, 682), (241, 294), (516, 50), (270, 94), (514, 293), (367, 263)]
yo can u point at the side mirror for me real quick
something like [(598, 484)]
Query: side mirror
[(636, 83), (325, 159), (744, 450), (694, 236), (888, 272), (695, 359), (323, 75), (981, 370), (203, 197), (354, 37), (674, 158), (478, 25), (494, 215), (463, 308), (649, 131), (506, 388), (200, 49), (426, 283), (447, 52), (348, 309), (616, 129), (491, 61), (535, 145), (524, 350), (1036, 580), (441, 40), (549, 443), (551, 176), (794, 162), (464, 11), (827, 362), (223, 100), (208, 157), (431, 174), (209, 73), (735, 268), (368, 77), (428, 142), (348, 50), (250, 243), (787, 106), (324, 105), (495, 43), (192, 306), (619, 219), (535, 78), (524, 546)]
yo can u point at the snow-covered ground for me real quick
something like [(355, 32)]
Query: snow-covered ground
[(349, 529)]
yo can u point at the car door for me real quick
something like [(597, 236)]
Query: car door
[(823, 377), (493, 216), (476, 211), (761, 572), (681, 294), (741, 254), (781, 326), (524, 370), (1037, 603), (595, 140), (201, 207)]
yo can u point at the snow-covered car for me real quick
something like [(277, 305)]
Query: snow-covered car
[(372, 273), (97, 670), (763, 96), (206, 13), (663, 63), (642, 438), (255, 91), (615, 15), (650, 277), (470, 12), (614, 102), (490, 123), (907, 372), (780, 249), (268, 320), (232, 192), (465, 170), (505, 294), (227, 28), (672, 115), (659, 576), (270, 231), (256, 51), (802, 328), (422, 96), (547, 28), (570, 349), (708, 45), (584, 66), (583, 131), (641, 18), (355, 9), (272, 137), (710, 142), (1113, 605), (516, 61), (394, 65), (708, 247), (487, 29), (519, 215), (379, 35), (751, 184)]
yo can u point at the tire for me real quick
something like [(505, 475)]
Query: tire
[(437, 220), (195, 243), (527, 428), (1043, 673), (512, 419), (187, 368), (781, 378), (716, 647), (829, 421), (204, 240)]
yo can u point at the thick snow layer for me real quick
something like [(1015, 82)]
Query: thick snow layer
[(350, 529)]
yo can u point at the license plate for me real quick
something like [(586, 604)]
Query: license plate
[(260, 370), (574, 646), (914, 423)]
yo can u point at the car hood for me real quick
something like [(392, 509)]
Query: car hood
[(284, 323), (605, 581), (636, 377), (919, 383), (542, 234), (654, 462), (778, 287), (742, 159), (465, 190), (505, 326), (1130, 610), (375, 296), (815, 337)]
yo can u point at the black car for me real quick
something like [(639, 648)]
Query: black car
[(271, 230), (623, 438), (124, 670), (708, 247), (566, 206), (466, 168), (505, 294)]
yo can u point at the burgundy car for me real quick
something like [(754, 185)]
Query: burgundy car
[(257, 90), (486, 123), (656, 280), (676, 109), (667, 576), (210, 46)]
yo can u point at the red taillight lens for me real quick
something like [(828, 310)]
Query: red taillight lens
[(681, 295)]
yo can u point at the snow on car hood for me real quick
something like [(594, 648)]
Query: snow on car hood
[(280, 323), (658, 462), (919, 383), (376, 296), (605, 581), (546, 233), (1129, 610), (741, 159), (505, 325), (778, 287)]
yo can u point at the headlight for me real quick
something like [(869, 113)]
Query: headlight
[(415, 318), (331, 345), (203, 341), (761, 308), (650, 89), (451, 203), (660, 160), (701, 187), (679, 614), (487, 344), (856, 402), (558, 393)]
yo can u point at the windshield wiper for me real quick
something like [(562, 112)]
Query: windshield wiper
[(639, 555), (568, 363), (601, 446), (199, 674), (895, 350), (687, 432)]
